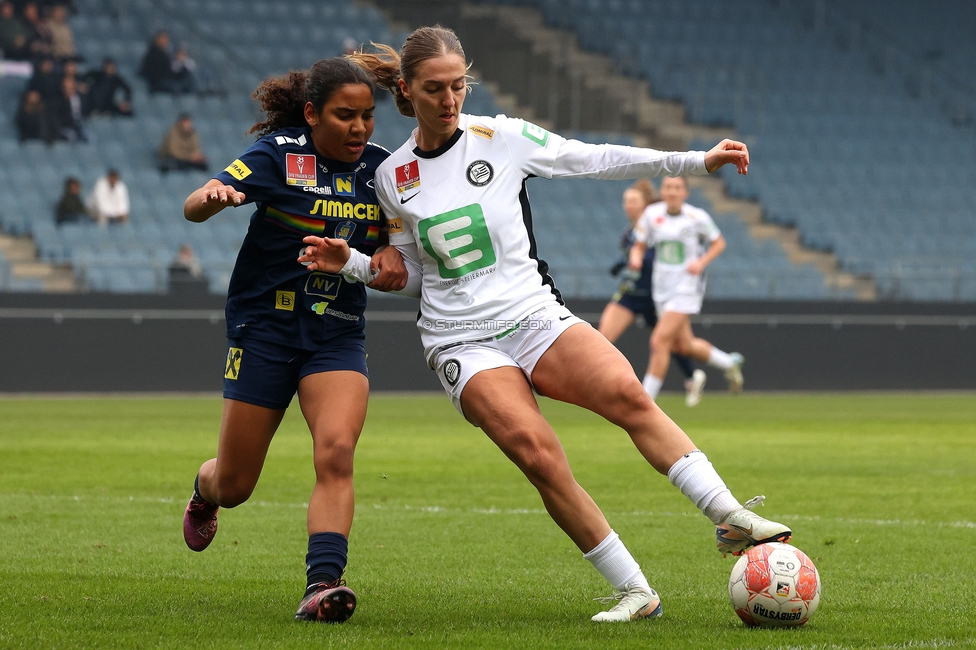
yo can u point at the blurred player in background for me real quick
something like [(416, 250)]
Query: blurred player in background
[(493, 325), (676, 231), (311, 171), (634, 295)]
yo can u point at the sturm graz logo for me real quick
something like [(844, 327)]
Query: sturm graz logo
[(452, 371), (480, 173)]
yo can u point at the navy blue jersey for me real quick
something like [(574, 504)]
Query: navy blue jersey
[(299, 193), (642, 285)]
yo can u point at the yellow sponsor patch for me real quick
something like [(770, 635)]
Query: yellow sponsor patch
[(396, 226), (285, 300), (238, 170), (483, 131), (233, 367)]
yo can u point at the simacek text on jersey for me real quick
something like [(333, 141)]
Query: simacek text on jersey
[(488, 325)]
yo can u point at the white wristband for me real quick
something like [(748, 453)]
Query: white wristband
[(357, 268)]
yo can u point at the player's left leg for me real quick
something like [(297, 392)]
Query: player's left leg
[(615, 320), (334, 406), (582, 368)]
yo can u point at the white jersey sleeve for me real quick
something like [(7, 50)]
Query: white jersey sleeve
[(705, 225), (643, 229), (538, 152)]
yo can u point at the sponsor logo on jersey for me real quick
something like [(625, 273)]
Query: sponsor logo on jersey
[(480, 173), (322, 308), (452, 371), (285, 300), (395, 226), (233, 367), (459, 240), (408, 176), (344, 184), (346, 210), (535, 133), (282, 139), (659, 221), (344, 230), (482, 131), (327, 191), (323, 284), (238, 170), (300, 169)]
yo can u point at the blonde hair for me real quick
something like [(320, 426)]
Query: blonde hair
[(389, 66)]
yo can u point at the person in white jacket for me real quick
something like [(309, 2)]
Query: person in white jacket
[(109, 201), (493, 325)]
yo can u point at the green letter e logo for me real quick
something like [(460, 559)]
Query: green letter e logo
[(458, 240)]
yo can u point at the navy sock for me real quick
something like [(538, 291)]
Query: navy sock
[(326, 558), (687, 365)]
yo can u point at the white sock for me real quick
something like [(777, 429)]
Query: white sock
[(615, 563), (694, 475), (652, 385), (720, 359)]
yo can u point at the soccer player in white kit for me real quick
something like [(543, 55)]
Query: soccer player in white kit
[(677, 230), (493, 326)]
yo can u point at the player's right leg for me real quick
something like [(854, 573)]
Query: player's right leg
[(501, 403), (615, 320), (666, 332), (729, 363), (227, 481)]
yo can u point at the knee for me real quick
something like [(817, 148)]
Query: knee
[(334, 458), (631, 404), (233, 491), (661, 343), (541, 463)]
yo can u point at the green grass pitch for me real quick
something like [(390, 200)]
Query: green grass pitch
[(450, 546)]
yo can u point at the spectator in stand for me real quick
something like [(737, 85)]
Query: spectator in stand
[(164, 72), (186, 273), (39, 39), (62, 40), (66, 112), (109, 201), (33, 120), (46, 79), (181, 147), (14, 34), (108, 92), (71, 208)]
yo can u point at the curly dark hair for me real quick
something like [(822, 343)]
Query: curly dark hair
[(283, 98)]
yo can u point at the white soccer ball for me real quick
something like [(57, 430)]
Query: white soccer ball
[(774, 585)]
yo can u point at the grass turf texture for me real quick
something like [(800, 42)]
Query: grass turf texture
[(450, 545)]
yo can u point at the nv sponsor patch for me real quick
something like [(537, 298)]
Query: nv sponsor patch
[(238, 170), (300, 170), (408, 176), (325, 285)]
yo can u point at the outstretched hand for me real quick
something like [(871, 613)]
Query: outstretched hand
[(725, 152), (325, 254), (222, 195)]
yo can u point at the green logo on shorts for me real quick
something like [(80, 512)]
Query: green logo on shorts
[(671, 252), (458, 240)]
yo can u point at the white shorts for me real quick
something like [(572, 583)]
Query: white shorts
[(521, 347), (685, 303)]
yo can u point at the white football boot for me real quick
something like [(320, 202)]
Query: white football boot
[(734, 374), (742, 529), (695, 388), (635, 603)]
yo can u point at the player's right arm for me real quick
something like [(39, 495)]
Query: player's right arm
[(209, 200), (642, 231)]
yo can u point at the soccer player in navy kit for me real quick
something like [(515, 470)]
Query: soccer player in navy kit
[(288, 329)]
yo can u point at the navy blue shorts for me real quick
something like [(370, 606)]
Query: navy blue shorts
[(267, 374), (643, 305)]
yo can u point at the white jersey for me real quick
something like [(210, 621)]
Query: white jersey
[(465, 209), (677, 240)]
